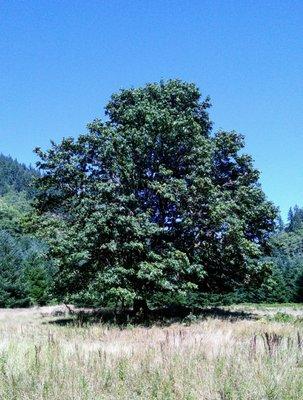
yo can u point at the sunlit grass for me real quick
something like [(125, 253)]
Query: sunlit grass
[(210, 359)]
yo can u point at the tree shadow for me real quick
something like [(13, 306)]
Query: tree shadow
[(299, 288), (155, 317)]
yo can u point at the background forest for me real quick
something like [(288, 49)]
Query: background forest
[(25, 269)]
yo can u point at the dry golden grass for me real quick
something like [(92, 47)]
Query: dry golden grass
[(210, 359)]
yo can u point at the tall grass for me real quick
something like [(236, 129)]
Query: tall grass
[(211, 359)]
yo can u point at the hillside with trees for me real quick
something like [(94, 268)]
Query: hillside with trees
[(24, 276), (15, 177)]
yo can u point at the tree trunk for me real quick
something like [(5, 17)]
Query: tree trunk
[(140, 307)]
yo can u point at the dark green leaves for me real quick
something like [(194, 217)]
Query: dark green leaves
[(150, 204)]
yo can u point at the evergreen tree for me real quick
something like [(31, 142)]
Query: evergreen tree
[(15, 177), (295, 219), (24, 267), (280, 224)]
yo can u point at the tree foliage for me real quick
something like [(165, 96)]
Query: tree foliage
[(15, 177), (150, 205), (24, 264), (23, 276), (284, 281), (287, 256)]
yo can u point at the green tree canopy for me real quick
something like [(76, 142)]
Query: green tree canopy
[(150, 205)]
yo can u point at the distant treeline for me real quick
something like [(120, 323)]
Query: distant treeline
[(284, 282), (15, 177), (24, 265)]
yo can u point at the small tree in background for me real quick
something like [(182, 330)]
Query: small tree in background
[(150, 206)]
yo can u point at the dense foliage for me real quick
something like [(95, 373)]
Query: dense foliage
[(284, 281), (15, 177), (24, 268), (287, 256), (149, 207), (152, 207)]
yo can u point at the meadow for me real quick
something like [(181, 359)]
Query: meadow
[(242, 352)]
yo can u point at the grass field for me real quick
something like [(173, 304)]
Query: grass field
[(246, 352)]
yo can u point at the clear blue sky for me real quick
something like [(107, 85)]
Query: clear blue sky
[(61, 60)]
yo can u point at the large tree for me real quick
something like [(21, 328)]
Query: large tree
[(150, 205)]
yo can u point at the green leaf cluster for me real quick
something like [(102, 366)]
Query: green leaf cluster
[(151, 205)]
